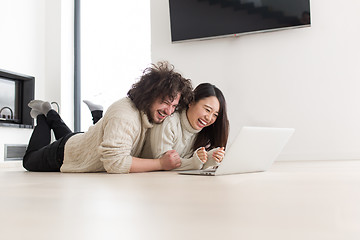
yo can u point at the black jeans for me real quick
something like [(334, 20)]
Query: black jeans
[(41, 156)]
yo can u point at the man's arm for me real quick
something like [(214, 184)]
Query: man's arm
[(168, 161)]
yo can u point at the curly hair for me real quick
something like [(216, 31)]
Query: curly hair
[(160, 80)]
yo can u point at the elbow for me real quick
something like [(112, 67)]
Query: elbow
[(119, 166)]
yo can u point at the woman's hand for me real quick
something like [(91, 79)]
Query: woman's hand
[(219, 154), (202, 154)]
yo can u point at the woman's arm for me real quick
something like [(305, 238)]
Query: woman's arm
[(168, 136), (214, 156)]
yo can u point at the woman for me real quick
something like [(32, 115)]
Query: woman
[(199, 134)]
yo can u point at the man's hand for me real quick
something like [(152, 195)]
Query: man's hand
[(170, 160)]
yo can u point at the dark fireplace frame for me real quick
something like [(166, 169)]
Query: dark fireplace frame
[(26, 92)]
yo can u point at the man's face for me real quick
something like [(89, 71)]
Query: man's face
[(160, 109)]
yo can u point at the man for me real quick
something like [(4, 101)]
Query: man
[(114, 143)]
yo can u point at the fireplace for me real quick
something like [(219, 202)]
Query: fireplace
[(16, 90)]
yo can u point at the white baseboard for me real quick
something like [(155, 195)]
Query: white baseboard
[(11, 164)]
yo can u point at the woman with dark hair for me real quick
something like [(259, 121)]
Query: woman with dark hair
[(199, 134)]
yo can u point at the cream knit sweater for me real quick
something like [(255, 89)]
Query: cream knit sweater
[(111, 143), (175, 133)]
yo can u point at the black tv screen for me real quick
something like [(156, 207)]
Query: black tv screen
[(202, 19)]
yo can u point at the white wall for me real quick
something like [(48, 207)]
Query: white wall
[(35, 41), (67, 62), (304, 78), (59, 57), (114, 53), (22, 50)]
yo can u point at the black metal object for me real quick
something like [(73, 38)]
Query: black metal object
[(25, 87)]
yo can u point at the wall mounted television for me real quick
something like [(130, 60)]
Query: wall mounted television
[(204, 19)]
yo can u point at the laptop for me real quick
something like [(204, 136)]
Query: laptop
[(253, 150)]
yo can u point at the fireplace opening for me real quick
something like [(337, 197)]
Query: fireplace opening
[(16, 90)]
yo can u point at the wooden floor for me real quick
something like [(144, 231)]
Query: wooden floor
[(294, 200)]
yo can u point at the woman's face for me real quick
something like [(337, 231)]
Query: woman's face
[(203, 113)]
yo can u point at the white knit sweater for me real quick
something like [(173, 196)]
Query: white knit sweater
[(111, 143), (175, 133)]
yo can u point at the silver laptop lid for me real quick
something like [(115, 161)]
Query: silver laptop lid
[(254, 149)]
